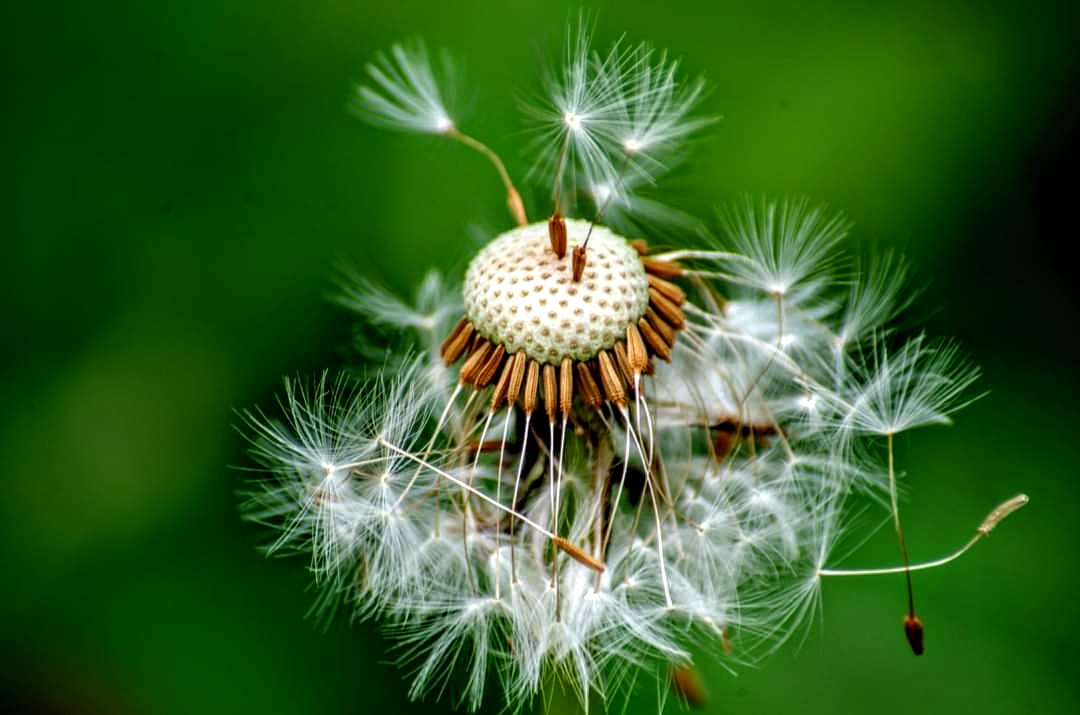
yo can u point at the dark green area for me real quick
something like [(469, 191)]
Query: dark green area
[(180, 181)]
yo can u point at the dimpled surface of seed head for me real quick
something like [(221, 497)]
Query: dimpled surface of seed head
[(520, 295)]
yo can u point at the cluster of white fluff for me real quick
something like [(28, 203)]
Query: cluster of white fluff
[(712, 500)]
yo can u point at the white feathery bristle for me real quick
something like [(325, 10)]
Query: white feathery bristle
[(657, 106), (579, 115), (631, 205), (781, 246), (877, 294), (407, 91), (889, 392)]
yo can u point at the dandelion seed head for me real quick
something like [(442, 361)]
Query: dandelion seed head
[(593, 458)]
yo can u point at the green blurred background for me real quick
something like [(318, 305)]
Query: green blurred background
[(181, 180)]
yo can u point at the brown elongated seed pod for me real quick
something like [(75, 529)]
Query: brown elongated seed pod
[(551, 392), (456, 342), (491, 366), (639, 245), (577, 263), (499, 395), (557, 234), (672, 313), (654, 340), (532, 381), (577, 554), (516, 206), (486, 447), (635, 349), (915, 633), (566, 386), (516, 365), (611, 379), (688, 685), (590, 391), (668, 289), (623, 362), (477, 339), (662, 269), (660, 325), (476, 361)]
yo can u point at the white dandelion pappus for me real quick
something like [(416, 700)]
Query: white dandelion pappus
[(405, 92), (579, 115), (615, 456), (657, 107)]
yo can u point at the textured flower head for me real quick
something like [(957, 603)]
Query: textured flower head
[(598, 455)]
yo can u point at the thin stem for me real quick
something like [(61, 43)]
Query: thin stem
[(517, 486), (607, 201), (471, 490), (995, 517), (517, 209), (907, 568), (560, 165), (899, 530), (704, 255)]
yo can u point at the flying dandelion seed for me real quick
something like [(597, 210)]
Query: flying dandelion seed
[(600, 455)]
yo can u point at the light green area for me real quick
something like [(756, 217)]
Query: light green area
[(180, 183)]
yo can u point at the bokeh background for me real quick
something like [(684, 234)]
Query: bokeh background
[(181, 180)]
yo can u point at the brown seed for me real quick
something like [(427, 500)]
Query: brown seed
[(671, 312), (476, 361), (532, 381), (590, 391), (723, 444), (624, 363), (491, 366), (516, 365), (611, 379), (639, 245), (635, 349), (551, 392), (578, 554), (654, 340), (662, 269), (669, 290), (477, 339), (660, 326), (578, 262), (688, 685), (557, 234), (456, 341), (913, 629), (566, 386), (487, 447), (516, 206), (498, 396), (650, 370)]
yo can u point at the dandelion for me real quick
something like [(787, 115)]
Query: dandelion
[(594, 457)]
